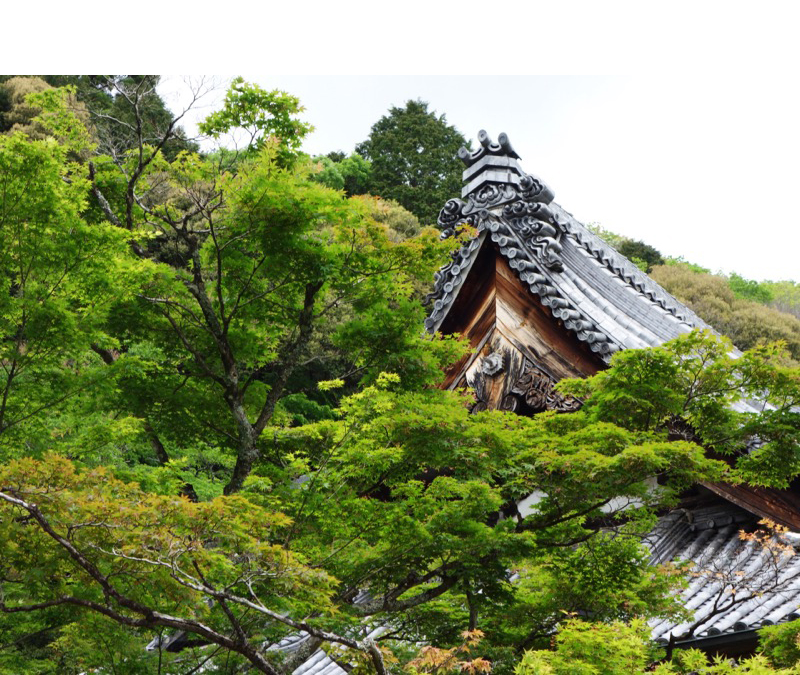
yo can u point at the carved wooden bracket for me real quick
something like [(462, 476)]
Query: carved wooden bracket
[(528, 389), (537, 390), (481, 394)]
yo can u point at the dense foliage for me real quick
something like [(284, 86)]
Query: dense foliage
[(353, 173), (618, 649), (15, 113), (219, 423), (715, 299)]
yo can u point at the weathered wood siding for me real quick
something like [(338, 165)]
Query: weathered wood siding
[(497, 313)]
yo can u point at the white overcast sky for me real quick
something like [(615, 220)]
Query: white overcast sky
[(674, 122)]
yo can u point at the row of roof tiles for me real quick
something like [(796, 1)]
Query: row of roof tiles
[(736, 583)]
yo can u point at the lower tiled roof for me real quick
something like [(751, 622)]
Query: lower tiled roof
[(319, 663), (738, 582)]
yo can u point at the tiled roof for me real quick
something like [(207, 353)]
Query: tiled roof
[(736, 584), (319, 663), (603, 298)]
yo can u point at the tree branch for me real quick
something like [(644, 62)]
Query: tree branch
[(150, 617)]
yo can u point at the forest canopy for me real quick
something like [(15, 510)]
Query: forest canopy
[(220, 425)]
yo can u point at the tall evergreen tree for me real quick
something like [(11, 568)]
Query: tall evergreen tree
[(414, 162)]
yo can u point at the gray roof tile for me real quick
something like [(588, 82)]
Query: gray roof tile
[(767, 584)]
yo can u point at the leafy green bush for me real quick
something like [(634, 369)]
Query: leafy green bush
[(617, 648), (745, 321)]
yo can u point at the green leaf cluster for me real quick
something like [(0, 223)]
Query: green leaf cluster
[(623, 649), (261, 115), (352, 174)]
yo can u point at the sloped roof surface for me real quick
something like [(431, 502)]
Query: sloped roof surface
[(603, 298), (320, 663), (736, 584)]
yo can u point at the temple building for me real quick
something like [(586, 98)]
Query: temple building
[(540, 298)]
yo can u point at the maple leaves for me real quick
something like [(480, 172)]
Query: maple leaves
[(458, 659)]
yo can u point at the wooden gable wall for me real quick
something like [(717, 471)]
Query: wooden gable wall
[(500, 316)]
